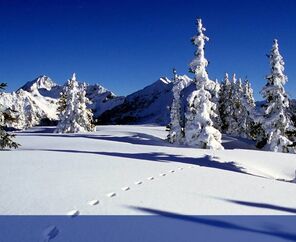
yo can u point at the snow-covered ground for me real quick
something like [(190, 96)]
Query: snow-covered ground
[(132, 170)]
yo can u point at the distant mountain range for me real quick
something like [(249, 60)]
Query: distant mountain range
[(148, 105), (43, 94)]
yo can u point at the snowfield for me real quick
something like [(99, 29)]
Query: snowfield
[(131, 170)]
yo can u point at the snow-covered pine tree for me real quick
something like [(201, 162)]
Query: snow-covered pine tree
[(85, 117), (199, 130), (176, 132), (236, 107), (275, 120), (6, 139), (249, 105), (74, 117), (19, 120), (232, 104), (31, 118), (242, 119), (249, 94), (13, 117), (62, 102), (225, 103), (292, 111), (215, 99), (66, 106)]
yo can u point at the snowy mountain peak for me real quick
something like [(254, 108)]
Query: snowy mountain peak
[(148, 105), (41, 82)]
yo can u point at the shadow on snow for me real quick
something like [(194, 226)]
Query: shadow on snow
[(205, 161), (262, 205), (137, 138), (220, 224)]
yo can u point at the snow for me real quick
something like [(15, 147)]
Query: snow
[(132, 170)]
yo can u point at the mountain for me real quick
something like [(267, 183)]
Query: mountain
[(149, 105), (41, 95), (43, 86), (41, 107), (102, 99)]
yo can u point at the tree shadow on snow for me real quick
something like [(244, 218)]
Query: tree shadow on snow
[(205, 161), (37, 130), (135, 138), (227, 224), (262, 205), (232, 142)]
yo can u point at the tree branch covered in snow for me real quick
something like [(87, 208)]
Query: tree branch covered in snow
[(6, 139)]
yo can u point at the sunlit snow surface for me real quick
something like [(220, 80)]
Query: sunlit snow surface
[(127, 170)]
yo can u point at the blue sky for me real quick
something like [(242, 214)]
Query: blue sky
[(126, 45)]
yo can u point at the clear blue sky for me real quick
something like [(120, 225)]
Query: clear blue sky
[(126, 45)]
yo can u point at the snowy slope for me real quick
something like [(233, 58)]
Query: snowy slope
[(132, 170), (149, 105), (45, 107)]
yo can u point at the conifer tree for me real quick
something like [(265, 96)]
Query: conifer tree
[(237, 125), (275, 120), (236, 106), (248, 104), (6, 139), (215, 98), (74, 116), (31, 117), (224, 104), (199, 130), (85, 115), (176, 132), (62, 102)]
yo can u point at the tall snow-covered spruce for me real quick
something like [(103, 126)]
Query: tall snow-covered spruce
[(176, 132), (74, 115), (199, 127), (85, 117), (6, 139), (248, 105), (236, 105), (275, 120), (225, 103)]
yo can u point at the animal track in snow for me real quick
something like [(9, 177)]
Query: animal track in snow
[(73, 213), (93, 202), (150, 178), (138, 182), (125, 188), (180, 168), (172, 171), (162, 174), (111, 194)]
